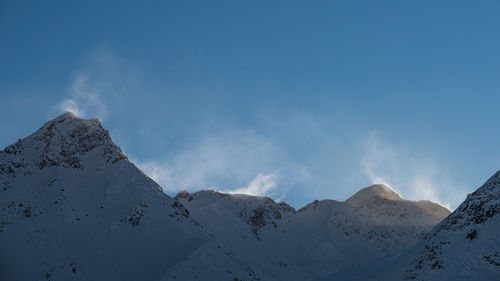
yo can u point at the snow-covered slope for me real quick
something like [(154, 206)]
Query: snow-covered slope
[(72, 207), (321, 238), (388, 223), (464, 246), (252, 230), (374, 222)]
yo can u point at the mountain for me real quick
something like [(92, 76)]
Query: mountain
[(73, 207), (464, 246), (319, 239)]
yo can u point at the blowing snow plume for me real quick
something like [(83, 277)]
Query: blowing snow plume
[(84, 99), (262, 185), (409, 172)]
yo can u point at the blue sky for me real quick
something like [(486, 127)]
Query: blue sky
[(299, 100)]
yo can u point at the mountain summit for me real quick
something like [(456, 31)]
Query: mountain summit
[(65, 141), (374, 192)]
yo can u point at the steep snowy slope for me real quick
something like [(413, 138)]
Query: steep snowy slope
[(466, 245), (72, 207), (321, 238)]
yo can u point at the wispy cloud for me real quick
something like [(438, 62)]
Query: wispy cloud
[(319, 162), (410, 172), (226, 162), (261, 185), (379, 161), (98, 82), (84, 99)]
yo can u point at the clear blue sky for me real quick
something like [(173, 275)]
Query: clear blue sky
[(300, 100)]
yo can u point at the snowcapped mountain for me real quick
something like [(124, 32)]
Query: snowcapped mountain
[(319, 239), (464, 246), (387, 222), (73, 207)]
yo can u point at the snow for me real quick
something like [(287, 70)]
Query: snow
[(464, 246), (318, 240), (73, 207), (376, 191)]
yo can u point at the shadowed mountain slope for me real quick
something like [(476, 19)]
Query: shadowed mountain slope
[(73, 207)]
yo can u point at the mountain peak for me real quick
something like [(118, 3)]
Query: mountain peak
[(70, 129), (376, 191), (63, 140), (67, 114), (68, 121)]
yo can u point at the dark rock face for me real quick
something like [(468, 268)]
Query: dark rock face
[(137, 214), (183, 195), (67, 137), (493, 258), (268, 213), (179, 210), (471, 235), (59, 142)]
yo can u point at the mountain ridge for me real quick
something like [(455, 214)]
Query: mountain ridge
[(70, 189)]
